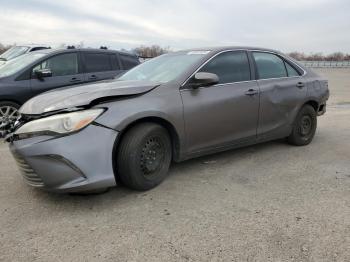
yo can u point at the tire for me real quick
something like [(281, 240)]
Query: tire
[(8, 111), (304, 127), (144, 156)]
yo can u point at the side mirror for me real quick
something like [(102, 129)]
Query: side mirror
[(42, 73), (203, 79)]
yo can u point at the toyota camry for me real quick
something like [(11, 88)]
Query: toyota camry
[(174, 107)]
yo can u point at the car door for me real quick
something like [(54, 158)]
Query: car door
[(65, 72), (282, 90), (98, 66), (225, 113)]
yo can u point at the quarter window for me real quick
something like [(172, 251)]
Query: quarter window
[(291, 71), (97, 62), (269, 65), (60, 65), (229, 67)]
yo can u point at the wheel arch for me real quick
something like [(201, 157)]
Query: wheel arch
[(4, 100), (312, 103), (174, 135)]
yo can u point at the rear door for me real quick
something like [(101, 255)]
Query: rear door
[(225, 113), (282, 90), (65, 70), (99, 66)]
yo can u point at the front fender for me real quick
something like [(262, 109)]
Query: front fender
[(165, 107), (119, 123)]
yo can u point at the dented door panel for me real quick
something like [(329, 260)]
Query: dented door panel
[(280, 101)]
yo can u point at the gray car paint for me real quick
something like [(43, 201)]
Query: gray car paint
[(69, 163), (83, 95), (201, 121)]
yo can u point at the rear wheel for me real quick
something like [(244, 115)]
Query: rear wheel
[(8, 112), (304, 127), (144, 156)]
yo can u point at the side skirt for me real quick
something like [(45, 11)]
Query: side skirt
[(233, 145)]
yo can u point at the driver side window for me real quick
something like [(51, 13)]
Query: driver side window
[(230, 67), (60, 65)]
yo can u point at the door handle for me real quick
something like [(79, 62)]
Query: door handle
[(300, 84), (74, 80), (92, 77), (251, 92)]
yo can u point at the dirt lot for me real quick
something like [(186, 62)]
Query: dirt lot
[(270, 202)]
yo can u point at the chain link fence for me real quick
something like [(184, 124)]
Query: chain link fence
[(326, 64)]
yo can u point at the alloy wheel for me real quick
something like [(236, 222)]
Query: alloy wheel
[(8, 113)]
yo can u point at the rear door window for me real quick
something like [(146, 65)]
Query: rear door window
[(128, 61), (269, 65), (229, 67), (95, 62)]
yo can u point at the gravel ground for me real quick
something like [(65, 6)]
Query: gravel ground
[(269, 202)]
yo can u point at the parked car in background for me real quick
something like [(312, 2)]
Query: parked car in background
[(171, 108), (36, 72), (19, 50)]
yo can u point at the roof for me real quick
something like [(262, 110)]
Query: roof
[(223, 48), (62, 50)]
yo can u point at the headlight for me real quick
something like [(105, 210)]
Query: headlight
[(62, 123)]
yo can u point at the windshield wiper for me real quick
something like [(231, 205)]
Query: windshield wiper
[(3, 59)]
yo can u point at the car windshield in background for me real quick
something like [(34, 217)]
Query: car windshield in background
[(19, 63), (14, 52), (164, 68)]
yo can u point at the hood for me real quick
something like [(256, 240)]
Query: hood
[(83, 95)]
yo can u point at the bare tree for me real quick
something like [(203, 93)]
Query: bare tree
[(150, 51), (338, 56), (297, 56), (3, 48)]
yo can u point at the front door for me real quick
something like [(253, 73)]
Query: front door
[(226, 113), (65, 72)]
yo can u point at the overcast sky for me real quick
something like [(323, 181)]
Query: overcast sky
[(302, 25)]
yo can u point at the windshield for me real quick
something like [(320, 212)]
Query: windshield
[(14, 52), (19, 63), (164, 68)]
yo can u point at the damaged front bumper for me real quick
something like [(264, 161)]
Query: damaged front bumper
[(73, 163)]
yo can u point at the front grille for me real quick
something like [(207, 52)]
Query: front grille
[(27, 172)]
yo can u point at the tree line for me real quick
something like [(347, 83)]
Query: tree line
[(156, 50), (3, 48)]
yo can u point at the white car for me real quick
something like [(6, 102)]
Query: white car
[(18, 50)]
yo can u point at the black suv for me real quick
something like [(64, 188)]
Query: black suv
[(40, 71)]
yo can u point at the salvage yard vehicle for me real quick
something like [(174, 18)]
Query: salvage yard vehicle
[(171, 108), (36, 72), (19, 50)]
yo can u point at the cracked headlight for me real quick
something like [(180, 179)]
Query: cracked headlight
[(61, 123)]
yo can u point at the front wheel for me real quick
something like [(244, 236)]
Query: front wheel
[(144, 156), (304, 127), (8, 112)]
